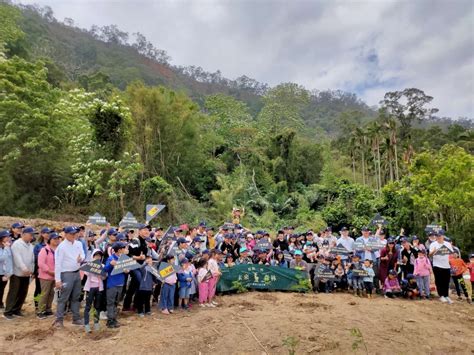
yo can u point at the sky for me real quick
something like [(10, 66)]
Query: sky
[(365, 47)]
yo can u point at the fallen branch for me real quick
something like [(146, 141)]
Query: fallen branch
[(253, 334)]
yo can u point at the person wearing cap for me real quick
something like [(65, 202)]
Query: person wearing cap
[(114, 284), (138, 250), (416, 245), (185, 278), (40, 244), (244, 258), (16, 229), (237, 215), (391, 286), (68, 258), (46, 275), (298, 263), (6, 262), (23, 268), (431, 239), (366, 253), (145, 289), (458, 268), (226, 246), (441, 267), (94, 288), (408, 256), (422, 273), (168, 287), (211, 239), (214, 268)]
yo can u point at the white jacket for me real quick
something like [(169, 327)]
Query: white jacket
[(23, 257)]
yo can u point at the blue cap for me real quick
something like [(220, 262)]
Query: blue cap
[(53, 235), (390, 240), (4, 233), (152, 235), (415, 238), (298, 252), (29, 230), (91, 234), (393, 272), (243, 250), (184, 261), (182, 240), (447, 239), (205, 251), (365, 229), (121, 236), (441, 232), (112, 231), (46, 230), (148, 239), (70, 230), (118, 245), (197, 239), (18, 225), (202, 224), (238, 226)]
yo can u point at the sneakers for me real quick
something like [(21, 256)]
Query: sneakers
[(449, 300), (8, 316), (41, 315), (103, 316), (147, 314), (443, 299), (48, 313), (113, 324), (96, 327), (141, 315), (211, 305), (214, 303), (58, 324), (165, 311), (19, 314), (87, 327), (202, 305), (78, 322)]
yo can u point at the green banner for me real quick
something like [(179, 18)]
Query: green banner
[(263, 277)]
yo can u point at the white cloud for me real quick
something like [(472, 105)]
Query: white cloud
[(365, 46)]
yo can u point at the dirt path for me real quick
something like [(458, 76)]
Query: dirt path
[(320, 323)]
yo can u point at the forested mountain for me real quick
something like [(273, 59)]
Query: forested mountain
[(93, 121)]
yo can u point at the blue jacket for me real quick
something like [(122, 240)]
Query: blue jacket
[(6, 262), (113, 280), (182, 276), (147, 279)]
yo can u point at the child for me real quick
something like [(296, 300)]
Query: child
[(147, 281), (114, 283), (410, 288), (369, 279), (94, 287), (391, 287), (185, 277), (216, 273), (357, 281), (203, 281), (422, 273), (458, 268), (340, 277), (168, 289)]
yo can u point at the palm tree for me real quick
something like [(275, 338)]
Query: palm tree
[(374, 135), (362, 145)]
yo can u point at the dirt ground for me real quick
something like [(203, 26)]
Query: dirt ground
[(259, 323)]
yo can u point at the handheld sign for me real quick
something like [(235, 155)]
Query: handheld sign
[(444, 250), (94, 267), (359, 246), (374, 245), (433, 228), (152, 270), (326, 273), (360, 273), (263, 244), (166, 270), (151, 211), (98, 219), (378, 219), (287, 256), (125, 263), (208, 276), (339, 250), (129, 221)]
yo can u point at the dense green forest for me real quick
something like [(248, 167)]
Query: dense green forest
[(92, 121)]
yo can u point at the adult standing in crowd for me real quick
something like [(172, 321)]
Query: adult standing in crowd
[(68, 258), (16, 229), (40, 244), (6, 262), (138, 249), (23, 268), (46, 262), (347, 242), (441, 266), (388, 259)]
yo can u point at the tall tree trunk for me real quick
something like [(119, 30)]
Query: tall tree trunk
[(363, 167), (353, 166), (397, 177), (378, 163)]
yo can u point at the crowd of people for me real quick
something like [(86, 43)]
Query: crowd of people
[(367, 265)]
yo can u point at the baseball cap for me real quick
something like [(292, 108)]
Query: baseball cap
[(202, 224), (184, 261), (54, 235), (197, 239), (18, 225), (29, 230), (70, 230), (392, 272), (4, 233), (148, 239), (365, 229), (143, 226), (118, 245), (243, 250), (45, 230), (121, 236), (182, 240), (112, 231), (343, 229), (97, 251), (298, 252)]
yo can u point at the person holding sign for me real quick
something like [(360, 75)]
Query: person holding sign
[(347, 242), (46, 275), (441, 267), (168, 289), (203, 277), (68, 258), (114, 284), (458, 268), (94, 287), (147, 281)]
